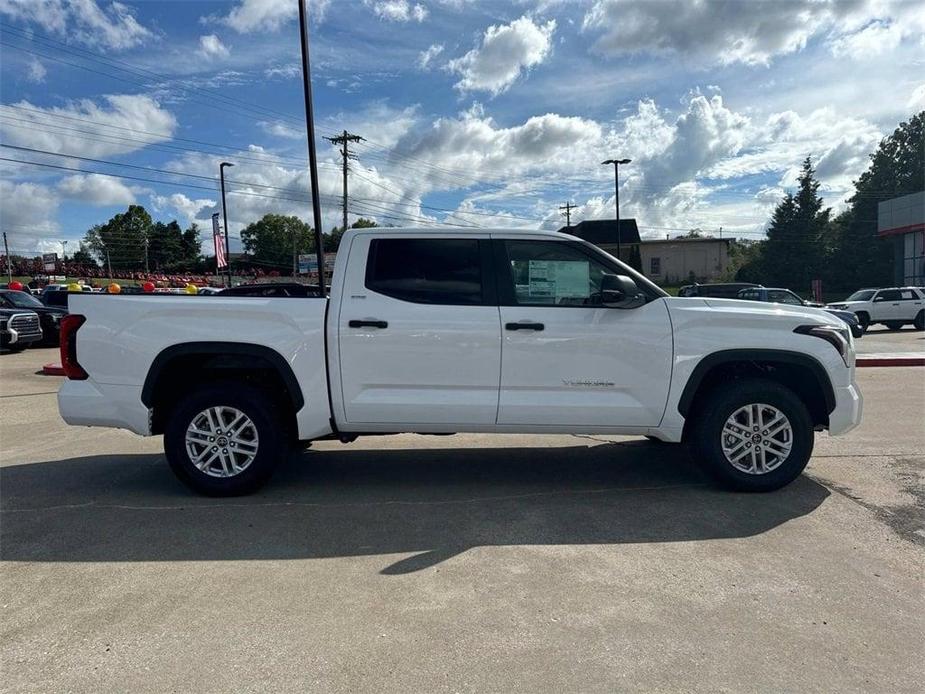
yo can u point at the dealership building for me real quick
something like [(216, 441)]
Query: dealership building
[(664, 261), (903, 220)]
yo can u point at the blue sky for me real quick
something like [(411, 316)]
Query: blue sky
[(474, 113)]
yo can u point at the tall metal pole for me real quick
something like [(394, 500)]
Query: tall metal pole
[(312, 155), (221, 175), (64, 262), (616, 197), (616, 204), (9, 265)]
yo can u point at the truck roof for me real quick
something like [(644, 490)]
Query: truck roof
[(463, 230)]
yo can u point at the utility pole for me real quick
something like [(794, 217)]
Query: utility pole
[(9, 265), (344, 141), (616, 199), (221, 175), (312, 153), (145, 243), (568, 207), (108, 261), (64, 262), (295, 253)]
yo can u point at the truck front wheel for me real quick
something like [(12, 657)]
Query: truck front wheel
[(752, 435), (225, 439)]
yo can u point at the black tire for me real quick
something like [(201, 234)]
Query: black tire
[(919, 321), (863, 321), (719, 404), (273, 439), (894, 325)]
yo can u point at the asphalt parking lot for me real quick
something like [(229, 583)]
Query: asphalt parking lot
[(465, 563), (879, 339)]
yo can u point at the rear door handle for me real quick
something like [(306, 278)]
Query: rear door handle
[(524, 326), (368, 324)]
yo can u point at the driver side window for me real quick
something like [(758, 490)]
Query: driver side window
[(553, 273)]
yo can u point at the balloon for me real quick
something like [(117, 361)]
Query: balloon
[(113, 288), (192, 289), (147, 287), (15, 285), (74, 287)]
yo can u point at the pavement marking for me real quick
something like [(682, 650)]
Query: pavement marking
[(24, 395)]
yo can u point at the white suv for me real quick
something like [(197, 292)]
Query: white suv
[(894, 307)]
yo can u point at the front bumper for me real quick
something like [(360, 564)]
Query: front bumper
[(11, 336), (849, 405), (86, 403)]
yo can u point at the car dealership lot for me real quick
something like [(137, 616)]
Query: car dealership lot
[(467, 563)]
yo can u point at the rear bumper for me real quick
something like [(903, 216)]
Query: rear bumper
[(849, 405), (85, 403)]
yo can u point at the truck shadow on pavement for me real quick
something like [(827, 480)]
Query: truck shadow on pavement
[(432, 503)]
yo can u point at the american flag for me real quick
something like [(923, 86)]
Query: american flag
[(219, 241)]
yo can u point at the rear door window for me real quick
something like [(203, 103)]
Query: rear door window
[(426, 271)]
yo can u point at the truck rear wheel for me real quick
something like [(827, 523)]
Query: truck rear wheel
[(225, 439), (752, 435)]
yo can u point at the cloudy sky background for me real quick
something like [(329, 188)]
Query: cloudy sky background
[(475, 114)]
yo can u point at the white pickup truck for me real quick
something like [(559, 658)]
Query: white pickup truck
[(443, 331)]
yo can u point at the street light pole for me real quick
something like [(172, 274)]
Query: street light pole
[(221, 175), (312, 155), (616, 198), (64, 262)]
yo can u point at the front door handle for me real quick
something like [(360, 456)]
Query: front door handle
[(381, 324), (524, 326)]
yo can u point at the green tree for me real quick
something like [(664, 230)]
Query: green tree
[(332, 240), (165, 247), (897, 168), (83, 257), (795, 252), (273, 239), (122, 237)]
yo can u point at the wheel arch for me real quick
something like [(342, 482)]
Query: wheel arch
[(177, 367), (801, 372)]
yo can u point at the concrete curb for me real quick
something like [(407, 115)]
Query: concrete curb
[(898, 359)]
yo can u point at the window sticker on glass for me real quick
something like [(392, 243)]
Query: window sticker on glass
[(553, 280)]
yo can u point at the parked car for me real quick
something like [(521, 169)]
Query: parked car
[(425, 331), (208, 291), (19, 329), (55, 298), (726, 290), (894, 307), (49, 316), (272, 289), (776, 295)]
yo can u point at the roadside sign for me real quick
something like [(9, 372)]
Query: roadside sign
[(49, 261)]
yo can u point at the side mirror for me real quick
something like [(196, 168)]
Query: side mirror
[(620, 291)]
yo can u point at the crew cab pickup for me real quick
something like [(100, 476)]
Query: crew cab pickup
[(443, 331), (893, 307)]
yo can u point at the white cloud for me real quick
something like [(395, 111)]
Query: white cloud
[(917, 99), (505, 53), (211, 47), (268, 15), (95, 189), (187, 208), (27, 213), (283, 71), (280, 129), (398, 10), (113, 26), (121, 113), (746, 32), (425, 58), (36, 72)]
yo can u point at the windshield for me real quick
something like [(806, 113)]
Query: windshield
[(22, 300), (863, 295)]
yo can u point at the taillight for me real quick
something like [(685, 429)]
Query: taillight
[(69, 326)]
